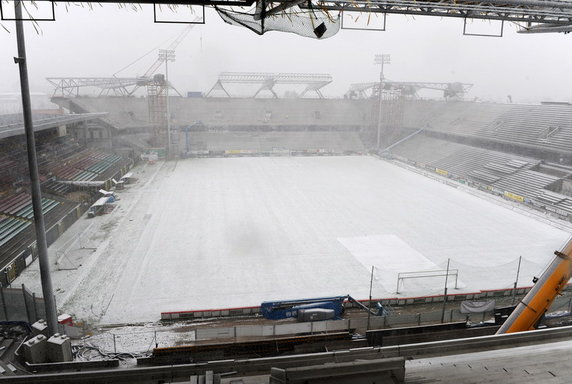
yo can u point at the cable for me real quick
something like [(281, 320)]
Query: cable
[(146, 54), (86, 351)]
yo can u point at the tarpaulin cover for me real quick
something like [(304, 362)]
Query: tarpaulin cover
[(477, 306)]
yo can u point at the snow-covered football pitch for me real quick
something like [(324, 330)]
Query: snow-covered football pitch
[(232, 232)]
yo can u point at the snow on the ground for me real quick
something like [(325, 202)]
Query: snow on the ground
[(215, 233), (140, 339), (378, 252)]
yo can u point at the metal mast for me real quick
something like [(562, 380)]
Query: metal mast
[(381, 60), (47, 290)]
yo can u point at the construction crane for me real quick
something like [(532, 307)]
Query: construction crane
[(143, 80), (158, 91), (553, 280), (118, 86), (157, 86)]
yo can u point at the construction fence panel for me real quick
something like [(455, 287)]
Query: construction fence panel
[(215, 333), (29, 303), (253, 330), (292, 329), (362, 322), (561, 304), (19, 304)]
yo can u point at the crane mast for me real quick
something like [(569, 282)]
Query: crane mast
[(171, 47), (553, 280)]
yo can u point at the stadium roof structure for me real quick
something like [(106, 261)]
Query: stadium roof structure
[(106, 86), (534, 16), (409, 88), (313, 81), (70, 86), (13, 124)]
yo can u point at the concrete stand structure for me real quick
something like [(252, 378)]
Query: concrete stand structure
[(40, 327), (59, 348), (35, 349)]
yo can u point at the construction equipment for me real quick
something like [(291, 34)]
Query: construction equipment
[(148, 76), (532, 308), (276, 310), (157, 86), (117, 86)]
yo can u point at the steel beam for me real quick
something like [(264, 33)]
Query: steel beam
[(528, 11), (70, 86), (362, 88), (313, 81)]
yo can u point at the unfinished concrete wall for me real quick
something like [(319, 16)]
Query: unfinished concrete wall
[(130, 113), (270, 141), (451, 116), (278, 113)]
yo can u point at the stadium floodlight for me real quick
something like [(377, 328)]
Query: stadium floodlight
[(167, 55), (380, 60)]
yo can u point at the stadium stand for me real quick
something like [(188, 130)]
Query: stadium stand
[(525, 183), (84, 165), (268, 141), (55, 188), (61, 160), (12, 124), (10, 227), (459, 159), (126, 113), (17, 212), (519, 151), (450, 116), (543, 126), (458, 141), (131, 113)]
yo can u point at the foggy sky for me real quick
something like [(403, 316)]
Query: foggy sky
[(99, 42)]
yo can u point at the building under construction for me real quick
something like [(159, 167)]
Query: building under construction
[(260, 232)]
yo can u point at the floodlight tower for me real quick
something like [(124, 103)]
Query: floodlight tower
[(167, 55), (380, 60)]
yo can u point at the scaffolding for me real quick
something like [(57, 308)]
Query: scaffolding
[(314, 82), (157, 105)]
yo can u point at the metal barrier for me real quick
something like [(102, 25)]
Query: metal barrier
[(263, 365)]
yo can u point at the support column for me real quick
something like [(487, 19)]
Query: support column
[(51, 314)]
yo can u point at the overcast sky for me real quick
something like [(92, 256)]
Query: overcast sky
[(100, 42)]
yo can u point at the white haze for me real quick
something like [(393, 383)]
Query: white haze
[(99, 42)]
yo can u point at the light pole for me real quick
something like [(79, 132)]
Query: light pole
[(369, 303), (167, 55), (445, 292), (516, 281), (380, 60), (41, 242)]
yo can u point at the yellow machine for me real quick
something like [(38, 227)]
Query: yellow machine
[(527, 314)]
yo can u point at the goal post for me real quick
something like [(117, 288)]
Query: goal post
[(426, 274)]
